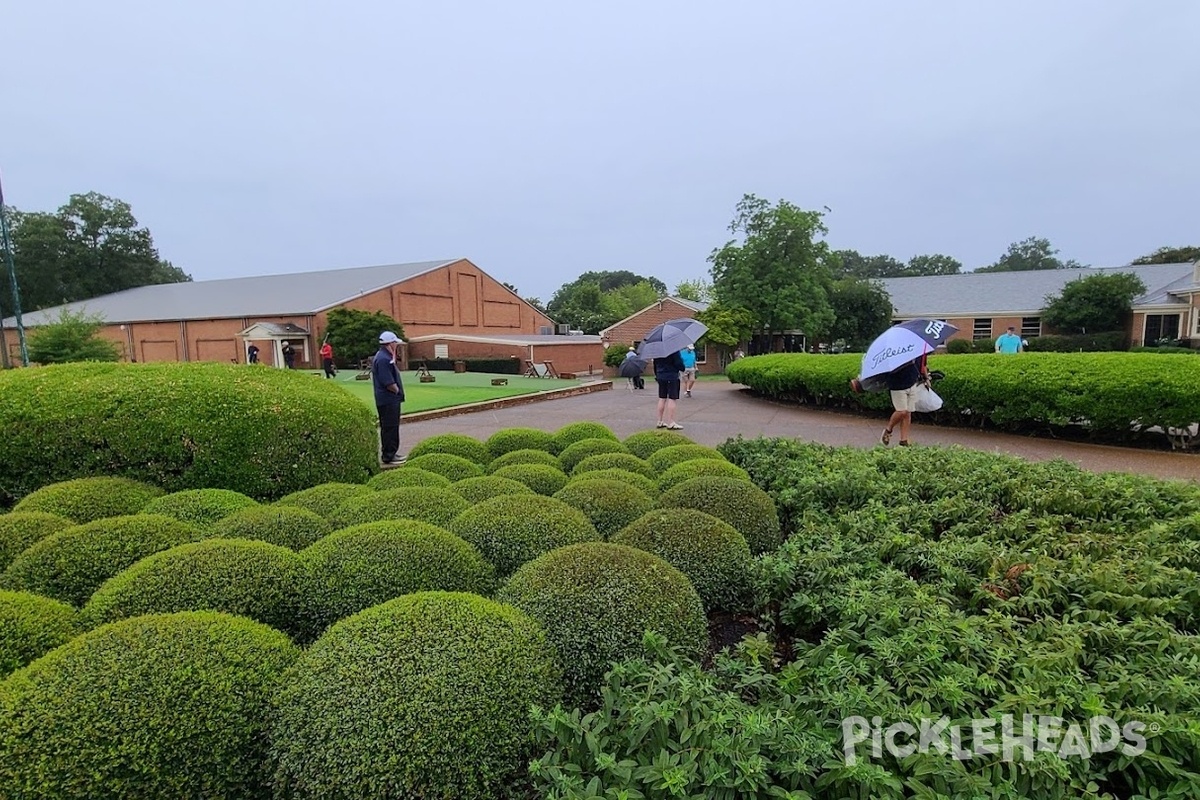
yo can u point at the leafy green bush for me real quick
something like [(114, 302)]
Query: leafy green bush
[(662, 460), (72, 564), (408, 476), (20, 530), (324, 498), (1166, 350), (238, 576), (427, 695), (365, 565), (456, 444), (635, 479), (475, 490), (87, 499), (71, 336), (163, 706), (541, 478), (606, 461), (425, 503), (750, 510), (262, 432), (31, 625), (1088, 343), (698, 468), (456, 468), (644, 443), (959, 346), (711, 553), (202, 507), (509, 439), (574, 432), (287, 526), (609, 504), (512, 529), (640, 592), (524, 457), (586, 448)]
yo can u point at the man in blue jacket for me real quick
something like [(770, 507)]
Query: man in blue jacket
[(389, 394)]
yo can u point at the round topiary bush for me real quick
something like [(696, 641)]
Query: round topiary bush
[(287, 526), (539, 477), (200, 506), (72, 564), (714, 556), (643, 444), (574, 432), (456, 444), (513, 529), (31, 625), (456, 468), (427, 695), (524, 457), (663, 459), (20, 530), (408, 476), (699, 468), (609, 504), (366, 565), (262, 432), (750, 510), (635, 479), (476, 490), (87, 499), (425, 503), (509, 439), (163, 706), (626, 461), (238, 576), (596, 602), (587, 448), (325, 498)]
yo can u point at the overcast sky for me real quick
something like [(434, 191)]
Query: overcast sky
[(542, 139)]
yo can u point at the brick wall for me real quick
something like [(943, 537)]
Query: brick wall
[(636, 327), (579, 358)]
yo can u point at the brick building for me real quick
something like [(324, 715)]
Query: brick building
[(632, 329), (577, 355)]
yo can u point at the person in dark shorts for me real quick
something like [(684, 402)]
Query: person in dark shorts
[(666, 373)]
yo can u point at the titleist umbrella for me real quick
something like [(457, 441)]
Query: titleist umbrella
[(671, 337), (899, 345)]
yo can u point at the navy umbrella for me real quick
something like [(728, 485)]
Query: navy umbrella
[(671, 337), (899, 345)]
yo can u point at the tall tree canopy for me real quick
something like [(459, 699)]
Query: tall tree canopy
[(862, 311), (853, 264), (1171, 255), (354, 334), (1093, 304), (91, 246), (595, 300), (699, 290), (1029, 254)]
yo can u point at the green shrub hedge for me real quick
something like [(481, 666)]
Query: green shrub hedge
[(72, 564), (156, 707), (456, 444), (750, 510), (263, 432), (324, 498), (1088, 343), (541, 478), (450, 466), (574, 432), (87, 499), (643, 443), (425, 503), (587, 448), (610, 505), (699, 468), (20, 530), (513, 529), (640, 591), (425, 696), (31, 625), (509, 439), (202, 507), (710, 552), (524, 457), (662, 460), (365, 565), (475, 490), (238, 576), (287, 526), (635, 479), (605, 461), (408, 476)]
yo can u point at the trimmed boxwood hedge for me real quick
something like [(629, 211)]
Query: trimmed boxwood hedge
[(324, 498), (626, 461), (524, 457), (162, 706), (635, 479), (662, 460), (425, 503), (70, 565), (750, 510), (20, 530), (263, 432), (714, 556), (31, 625), (365, 565), (513, 529), (425, 696), (574, 432), (541, 478), (450, 466), (508, 439), (596, 602), (586, 448), (456, 444), (408, 476), (238, 576), (609, 504), (202, 507), (643, 443), (699, 468), (87, 499), (287, 526), (475, 490)]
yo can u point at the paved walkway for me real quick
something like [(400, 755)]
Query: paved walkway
[(719, 411)]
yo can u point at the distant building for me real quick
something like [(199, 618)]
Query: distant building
[(633, 329)]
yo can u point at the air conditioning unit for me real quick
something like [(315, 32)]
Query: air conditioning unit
[(564, 329), (545, 330)]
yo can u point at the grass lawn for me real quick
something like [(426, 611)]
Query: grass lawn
[(450, 388)]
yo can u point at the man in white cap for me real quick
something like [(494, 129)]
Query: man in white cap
[(389, 394), (689, 369), (638, 381)]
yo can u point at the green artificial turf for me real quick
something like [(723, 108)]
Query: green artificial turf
[(450, 388)]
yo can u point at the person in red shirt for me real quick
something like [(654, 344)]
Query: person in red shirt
[(327, 360)]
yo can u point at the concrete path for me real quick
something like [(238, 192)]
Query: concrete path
[(718, 411)]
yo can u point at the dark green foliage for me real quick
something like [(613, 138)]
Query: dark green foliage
[(324, 498), (541, 478), (509, 439), (20, 530), (427, 695), (697, 468), (354, 333), (512, 529), (1099, 302), (31, 625), (71, 337), (524, 457), (609, 504), (475, 490), (87, 499), (162, 706), (750, 510), (585, 448), (711, 553), (287, 526), (1087, 343), (450, 466), (262, 432), (72, 564), (365, 565), (202, 507), (635, 479), (430, 504), (574, 432), (662, 460), (606, 461), (408, 476), (641, 592), (456, 444), (643, 443)]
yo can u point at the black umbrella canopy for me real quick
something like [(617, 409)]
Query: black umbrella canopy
[(671, 337), (632, 367)]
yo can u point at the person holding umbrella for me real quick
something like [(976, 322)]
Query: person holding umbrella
[(902, 382), (666, 374), (632, 367), (664, 344)]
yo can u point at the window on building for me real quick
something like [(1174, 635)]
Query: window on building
[(701, 354), (983, 329), (1161, 326), (1031, 326)]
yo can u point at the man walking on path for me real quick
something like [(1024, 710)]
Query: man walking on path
[(1009, 342), (688, 356), (903, 382), (389, 394)]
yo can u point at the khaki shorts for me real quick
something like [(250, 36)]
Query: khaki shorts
[(905, 399), (689, 374)]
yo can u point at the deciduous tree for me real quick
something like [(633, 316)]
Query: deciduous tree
[(354, 334), (73, 336), (1171, 255), (698, 291), (1030, 254), (862, 310), (1093, 304)]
